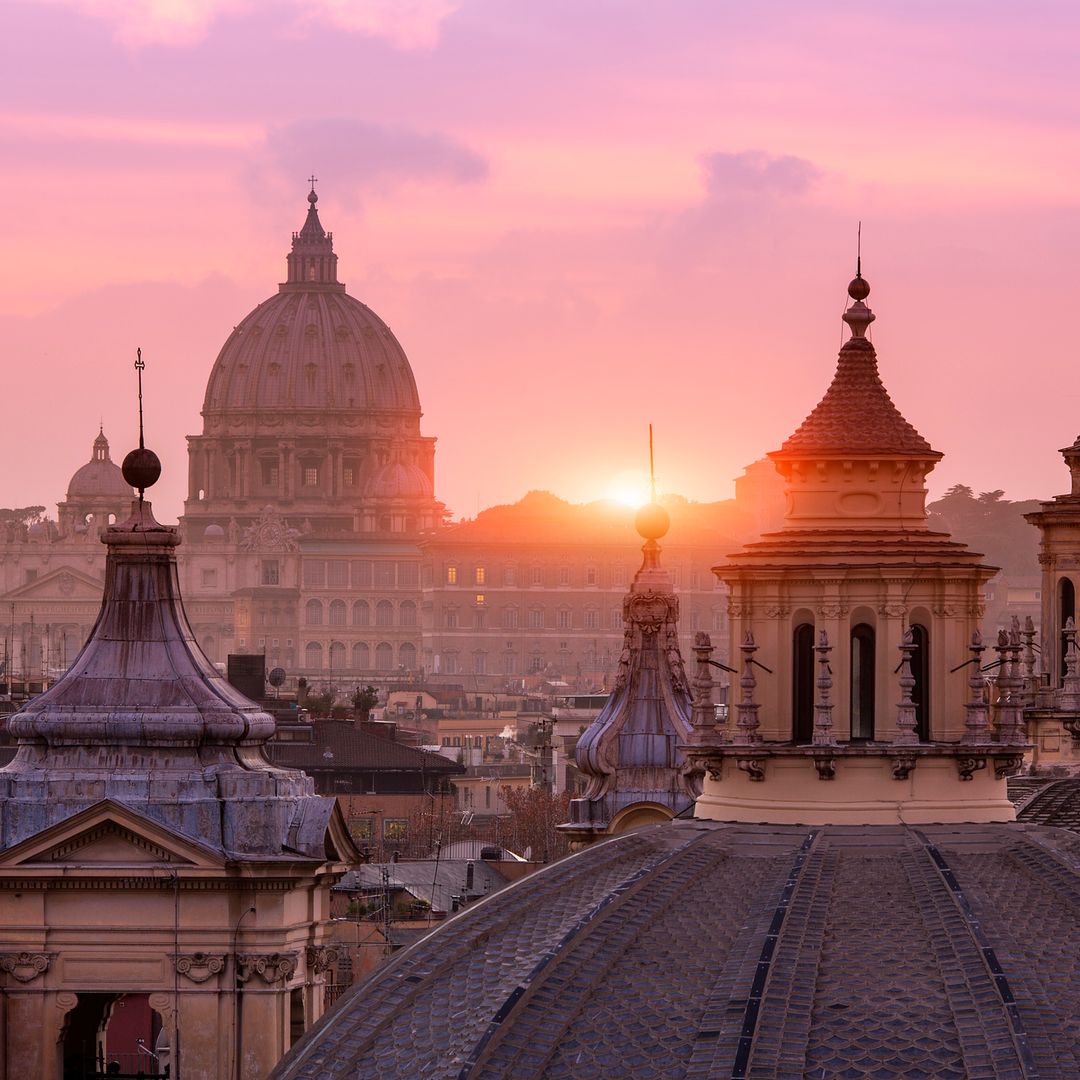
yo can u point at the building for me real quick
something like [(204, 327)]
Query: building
[(154, 864), (849, 900)]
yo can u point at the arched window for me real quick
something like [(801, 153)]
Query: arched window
[(407, 613), (1066, 611), (361, 656), (384, 613), (407, 656), (384, 656), (361, 613), (337, 655), (337, 612), (802, 683), (313, 613), (313, 656), (920, 669), (862, 681)]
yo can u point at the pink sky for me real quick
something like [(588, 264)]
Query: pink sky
[(578, 216)]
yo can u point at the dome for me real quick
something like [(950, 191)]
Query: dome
[(709, 950), (311, 346), (100, 477), (213, 532), (399, 481)]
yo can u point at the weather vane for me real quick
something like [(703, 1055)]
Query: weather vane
[(140, 367)]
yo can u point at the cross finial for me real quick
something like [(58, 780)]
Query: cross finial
[(139, 367), (313, 180)]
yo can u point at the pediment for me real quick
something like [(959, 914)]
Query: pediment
[(61, 583), (109, 834)]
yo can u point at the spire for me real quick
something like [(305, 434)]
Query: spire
[(856, 415), (312, 263), (100, 451)]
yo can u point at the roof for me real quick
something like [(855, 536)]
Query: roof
[(856, 415), (883, 951), (100, 477), (340, 744), (434, 883)]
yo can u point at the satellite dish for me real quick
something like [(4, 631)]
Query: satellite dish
[(276, 676)]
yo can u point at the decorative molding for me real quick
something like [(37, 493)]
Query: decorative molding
[(321, 958), (754, 767), (25, 967), (826, 767), (1007, 765), (903, 765), (199, 967), (967, 767), (270, 967)]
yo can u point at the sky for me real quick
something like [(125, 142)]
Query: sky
[(579, 217)]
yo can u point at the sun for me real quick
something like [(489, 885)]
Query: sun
[(630, 487)]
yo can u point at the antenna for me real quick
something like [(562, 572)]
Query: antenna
[(858, 251), (139, 367), (652, 470)]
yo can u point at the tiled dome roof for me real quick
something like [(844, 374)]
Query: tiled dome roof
[(708, 950), (398, 480), (100, 476)]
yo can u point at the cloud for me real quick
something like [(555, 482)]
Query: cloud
[(406, 24), (754, 172), (361, 155)]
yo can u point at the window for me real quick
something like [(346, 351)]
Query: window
[(802, 683), (510, 618), (338, 612), (1066, 611), (348, 475), (384, 613), (480, 663), (920, 669), (592, 619), (509, 575), (407, 613), (481, 575), (509, 664), (209, 579), (362, 828), (479, 599), (314, 573), (564, 575), (395, 828), (618, 575), (270, 572), (337, 573), (269, 472), (536, 664), (313, 656), (718, 619), (536, 619), (361, 656), (478, 619), (384, 573), (361, 574), (408, 574), (407, 656), (313, 613), (337, 655), (451, 575), (566, 619), (311, 476), (361, 613), (590, 575), (450, 664), (538, 575), (384, 656), (615, 619), (450, 617), (862, 681)]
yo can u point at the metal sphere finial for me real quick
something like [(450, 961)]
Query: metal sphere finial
[(141, 468)]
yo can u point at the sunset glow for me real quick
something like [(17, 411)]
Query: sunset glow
[(577, 217), (629, 488)]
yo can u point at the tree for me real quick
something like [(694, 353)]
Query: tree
[(363, 701), (534, 814)]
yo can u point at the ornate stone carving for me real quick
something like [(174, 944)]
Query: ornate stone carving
[(826, 767), (832, 610), (754, 767), (823, 723), (902, 765), (977, 722), (321, 958), (270, 967), (906, 722), (269, 532), (747, 709), (967, 767), (893, 611), (777, 611), (199, 967), (1007, 765), (24, 967)]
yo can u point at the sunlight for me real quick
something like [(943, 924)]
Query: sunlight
[(630, 487)]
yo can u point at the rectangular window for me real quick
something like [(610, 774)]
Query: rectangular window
[(209, 579), (538, 575), (566, 619), (451, 618), (395, 828), (311, 476), (361, 574), (592, 620), (536, 619), (480, 665), (481, 575), (408, 574), (269, 473), (348, 474), (314, 573), (509, 575), (362, 828), (478, 620), (270, 574), (564, 575), (590, 575), (337, 573), (509, 664), (616, 619), (618, 575), (451, 575), (384, 573), (479, 599), (450, 664)]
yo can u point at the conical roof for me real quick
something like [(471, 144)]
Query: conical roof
[(856, 415)]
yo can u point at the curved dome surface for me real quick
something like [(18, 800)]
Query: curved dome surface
[(399, 481), (100, 477), (701, 949), (311, 346)]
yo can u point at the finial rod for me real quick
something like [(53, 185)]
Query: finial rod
[(139, 366), (858, 251), (652, 470)]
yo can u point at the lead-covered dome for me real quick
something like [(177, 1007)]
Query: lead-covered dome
[(100, 477), (312, 346)]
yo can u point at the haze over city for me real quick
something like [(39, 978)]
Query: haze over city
[(577, 218)]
